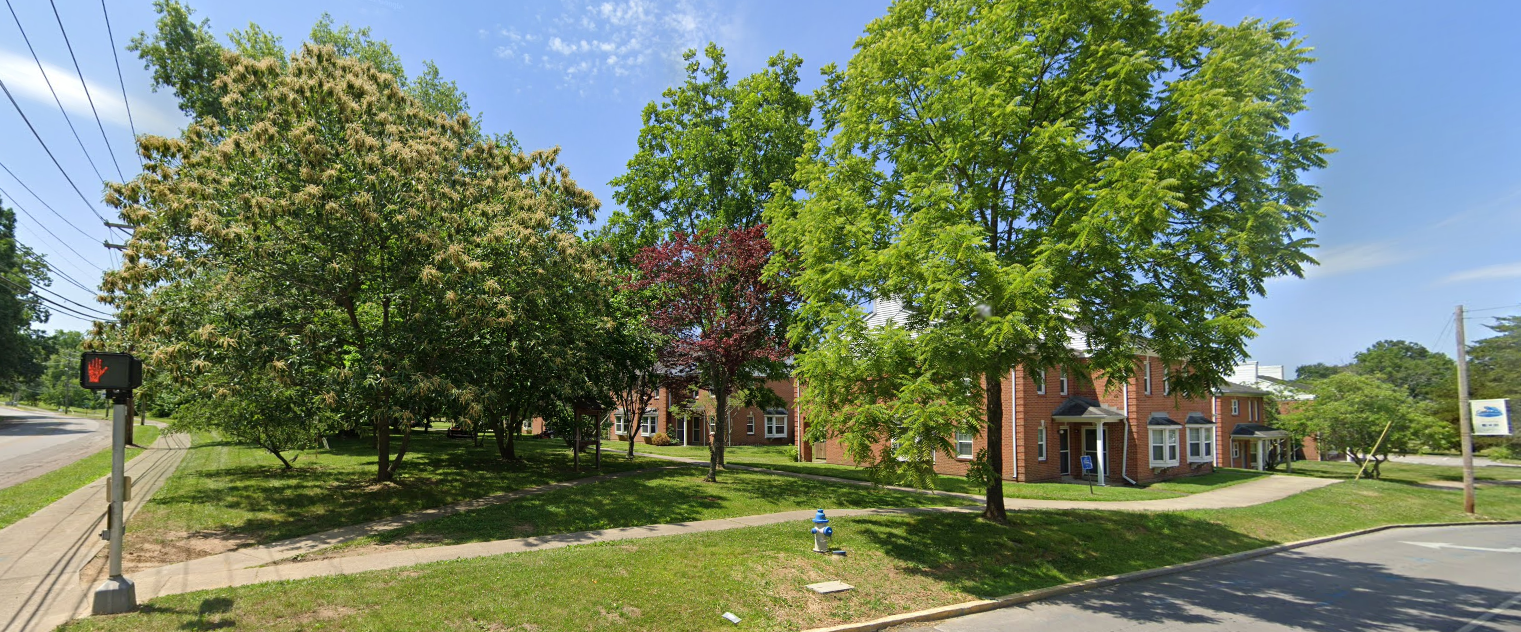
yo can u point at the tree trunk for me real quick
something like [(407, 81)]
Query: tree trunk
[(499, 428), (575, 448), (281, 457), (515, 424), (630, 435), (131, 412), (720, 429), (383, 447), (993, 393), (406, 439)]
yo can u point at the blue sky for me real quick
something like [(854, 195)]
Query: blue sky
[(1422, 200)]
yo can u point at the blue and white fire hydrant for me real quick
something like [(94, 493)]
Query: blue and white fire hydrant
[(821, 533)]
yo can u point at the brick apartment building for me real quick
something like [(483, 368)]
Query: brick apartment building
[(747, 426)]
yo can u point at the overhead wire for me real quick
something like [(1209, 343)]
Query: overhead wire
[(111, 38), (45, 228), (86, 86), (54, 304), (76, 305), (49, 207), (49, 151), (54, 92)]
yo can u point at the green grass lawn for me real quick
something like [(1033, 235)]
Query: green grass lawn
[(780, 458), (225, 495), (655, 498), (896, 563), (24, 499), (1405, 472)]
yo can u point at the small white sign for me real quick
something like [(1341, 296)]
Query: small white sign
[(1490, 417)]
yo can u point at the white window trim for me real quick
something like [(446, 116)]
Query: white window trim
[(647, 424), (1166, 386), (1235, 408), (1235, 449), (1040, 443), (780, 422), (750, 424), (970, 438), (1206, 443), (1169, 443), (1064, 382), (1146, 383), (619, 425), (1040, 384)]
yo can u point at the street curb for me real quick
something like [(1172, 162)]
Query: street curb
[(984, 605)]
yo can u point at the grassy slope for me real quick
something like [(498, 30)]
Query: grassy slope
[(780, 458), (242, 494), (1405, 472), (686, 582), (22, 500), (655, 498)]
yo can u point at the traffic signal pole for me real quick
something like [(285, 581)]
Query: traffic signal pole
[(117, 594)]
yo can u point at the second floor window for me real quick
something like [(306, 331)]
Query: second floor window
[(1146, 378), (1064, 382)]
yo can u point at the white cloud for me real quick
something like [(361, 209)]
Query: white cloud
[(1357, 258), (1486, 273), (614, 39), (25, 81)]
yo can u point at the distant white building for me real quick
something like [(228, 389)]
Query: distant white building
[(1269, 377)]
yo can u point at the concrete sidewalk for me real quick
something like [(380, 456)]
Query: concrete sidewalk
[(152, 584), (41, 555)]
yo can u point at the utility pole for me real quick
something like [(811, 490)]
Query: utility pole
[(1465, 426)]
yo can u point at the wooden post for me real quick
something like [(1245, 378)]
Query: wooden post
[(1465, 425)]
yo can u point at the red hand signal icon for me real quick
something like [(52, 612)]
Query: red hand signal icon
[(96, 369)]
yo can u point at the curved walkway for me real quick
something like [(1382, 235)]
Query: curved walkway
[(41, 555), (251, 566)]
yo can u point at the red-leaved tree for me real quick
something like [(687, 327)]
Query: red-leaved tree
[(723, 323)]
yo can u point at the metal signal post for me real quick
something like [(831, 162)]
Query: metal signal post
[(117, 374)]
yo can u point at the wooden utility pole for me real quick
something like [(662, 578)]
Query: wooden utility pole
[(1465, 427)]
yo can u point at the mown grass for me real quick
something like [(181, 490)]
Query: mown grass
[(242, 494), (780, 458), (668, 496), (896, 563), (24, 499), (1405, 472)]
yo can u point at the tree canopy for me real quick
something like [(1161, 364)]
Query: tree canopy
[(1350, 412), (1015, 173), (21, 271)]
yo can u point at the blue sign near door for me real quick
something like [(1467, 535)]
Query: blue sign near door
[(1087, 463)]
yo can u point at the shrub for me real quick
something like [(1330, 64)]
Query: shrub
[(660, 438), (1503, 452)]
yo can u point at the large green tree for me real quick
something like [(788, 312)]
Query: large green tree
[(343, 240), (1019, 173), (1350, 414), (21, 271), (1424, 374)]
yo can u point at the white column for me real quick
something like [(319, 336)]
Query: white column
[(1261, 456), (1099, 466)]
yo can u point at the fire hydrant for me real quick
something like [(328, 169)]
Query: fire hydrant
[(821, 533)]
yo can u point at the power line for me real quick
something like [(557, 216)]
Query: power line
[(1490, 309), (45, 148), (81, 307), (38, 239), (44, 202), (110, 37), (56, 100), (54, 304), (49, 231), (1442, 333), (86, 87), (66, 277)]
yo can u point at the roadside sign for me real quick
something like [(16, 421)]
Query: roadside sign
[(1087, 463), (1490, 417)]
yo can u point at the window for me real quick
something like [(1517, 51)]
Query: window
[(1040, 443), (964, 445), (1201, 444), (1040, 383), (776, 425), (1253, 404), (1064, 381), (1235, 408), (647, 424), (1235, 450), (619, 427), (1166, 386), (1146, 378), (750, 424), (1164, 447)]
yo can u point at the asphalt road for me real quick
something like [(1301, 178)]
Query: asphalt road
[(1404, 579), (33, 444)]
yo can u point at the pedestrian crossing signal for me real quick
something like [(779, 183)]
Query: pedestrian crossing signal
[(110, 371)]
